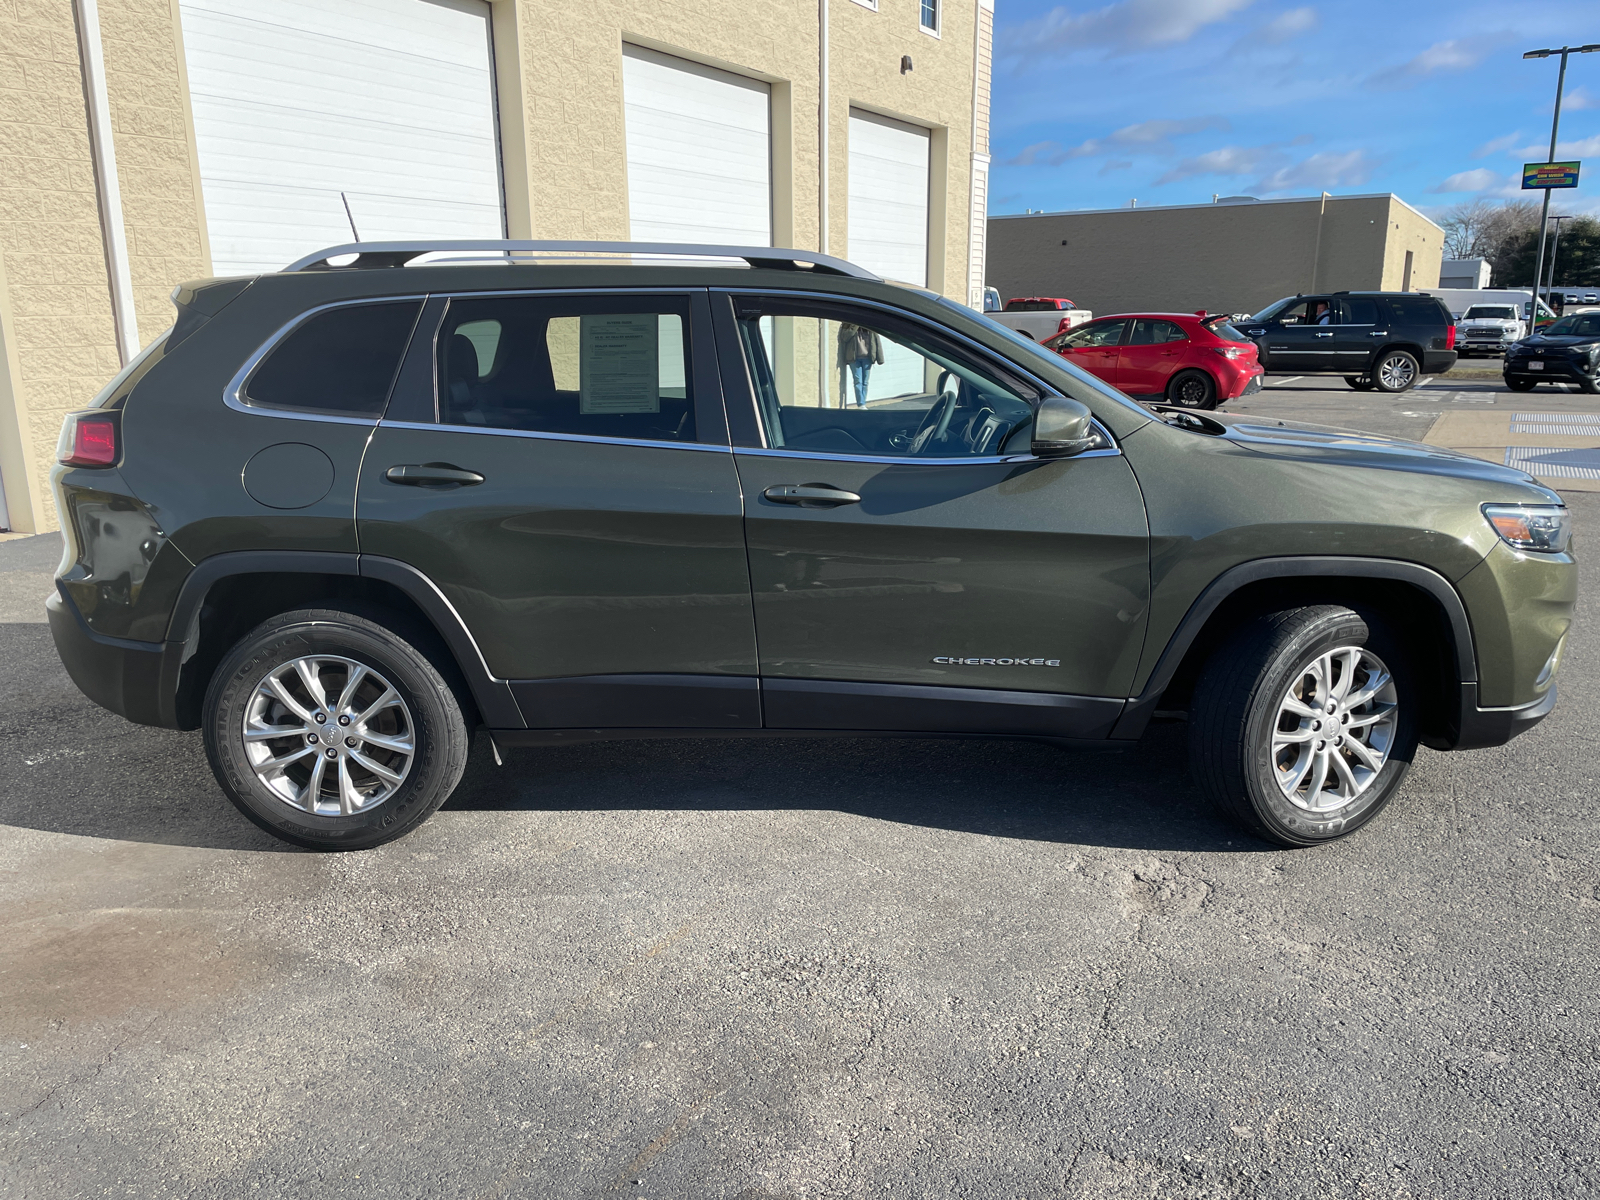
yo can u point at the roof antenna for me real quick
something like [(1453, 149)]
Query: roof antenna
[(348, 217)]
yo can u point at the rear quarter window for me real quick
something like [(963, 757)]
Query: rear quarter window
[(339, 362), (1417, 310)]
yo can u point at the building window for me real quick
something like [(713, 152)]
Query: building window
[(872, 4), (930, 17)]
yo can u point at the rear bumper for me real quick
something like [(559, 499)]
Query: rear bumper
[(1251, 386), (1437, 362), (136, 680)]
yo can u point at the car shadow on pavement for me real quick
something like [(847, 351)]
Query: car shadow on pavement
[(69, 767), (1139, 799)]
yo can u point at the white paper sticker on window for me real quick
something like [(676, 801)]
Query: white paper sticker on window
[(619, 364)]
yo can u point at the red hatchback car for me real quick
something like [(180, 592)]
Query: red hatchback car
[(1191, 359)]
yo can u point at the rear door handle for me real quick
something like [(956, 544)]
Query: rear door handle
[(431, 475), (1379, 333), (810, 495)]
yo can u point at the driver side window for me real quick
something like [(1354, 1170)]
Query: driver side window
[(832, 379)]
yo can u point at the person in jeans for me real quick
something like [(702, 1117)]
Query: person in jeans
[(859, 349)]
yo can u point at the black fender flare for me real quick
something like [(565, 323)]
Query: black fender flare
[(496, 704), (1140, 708)]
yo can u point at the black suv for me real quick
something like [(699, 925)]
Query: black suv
[(1565, 351), (1382, 340), (344, 516)]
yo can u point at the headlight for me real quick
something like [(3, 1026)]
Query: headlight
[(1547, 529)]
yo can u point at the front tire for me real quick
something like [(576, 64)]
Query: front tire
[(330, 730), (1395, 371), (1303, 724), (1192, 389)]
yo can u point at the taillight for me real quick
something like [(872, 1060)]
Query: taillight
[(1230, 351), (88, 440), (1449, 337)]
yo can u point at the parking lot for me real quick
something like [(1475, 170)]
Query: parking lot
[(803, 968)]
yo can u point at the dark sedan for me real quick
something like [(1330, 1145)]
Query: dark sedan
[(1565, 351)]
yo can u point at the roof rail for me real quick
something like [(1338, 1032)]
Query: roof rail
[(397, 254)]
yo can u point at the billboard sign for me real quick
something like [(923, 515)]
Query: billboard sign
[(1537, 176)]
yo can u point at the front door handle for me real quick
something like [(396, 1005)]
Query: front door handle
[(431, 475), (1256, 332), (1324, 335), (810, 495)]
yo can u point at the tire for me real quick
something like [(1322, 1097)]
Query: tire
[(1360, 383), (1520, 385), (1395, 371), (1192, 389), (1589, 387), (376, 793), (1240, 704)]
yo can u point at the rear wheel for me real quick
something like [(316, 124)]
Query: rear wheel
[(1303, 724), (1520, 385), (1192, 389), (1360, 382), (1396, 371), (329, 730)]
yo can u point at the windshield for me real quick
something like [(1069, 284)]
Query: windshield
[(1273, 309), (1492, 312), (1577, 325)]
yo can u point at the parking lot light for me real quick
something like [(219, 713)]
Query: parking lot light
[(1555, 124)]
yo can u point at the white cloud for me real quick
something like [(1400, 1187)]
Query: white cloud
[(1147, 137), (1579, 99), (1323, 171), (1121, 27), (1583, 148), (1457, 54), (1226, 160), (1287, 26), (1478, 180), (1116, 164), (1497, 145)]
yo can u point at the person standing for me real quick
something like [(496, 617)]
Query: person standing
[(859, 349)]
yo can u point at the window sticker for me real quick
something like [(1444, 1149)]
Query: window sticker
[(619, 364)]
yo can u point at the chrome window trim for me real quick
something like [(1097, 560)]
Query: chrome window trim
[(955, 334), (233, 392), (971, 460), (543, 436)]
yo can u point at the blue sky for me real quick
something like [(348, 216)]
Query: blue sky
[(1171, 101)]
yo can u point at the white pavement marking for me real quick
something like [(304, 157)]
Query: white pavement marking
[(1281, 382), (1425, 382)]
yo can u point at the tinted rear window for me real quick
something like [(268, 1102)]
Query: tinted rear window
[(1417, 310), (342, 361), (1033, 306)]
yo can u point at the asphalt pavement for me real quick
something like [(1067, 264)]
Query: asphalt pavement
[(768, 970)]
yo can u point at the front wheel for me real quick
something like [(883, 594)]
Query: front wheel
[(1192, 389), (1520, 385), (1396, 371), (1303, 724), (330, 730)]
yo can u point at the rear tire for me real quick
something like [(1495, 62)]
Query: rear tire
[(1395, 371), (1259, 724), (1192, 389), (363, 759), (1520, 385)]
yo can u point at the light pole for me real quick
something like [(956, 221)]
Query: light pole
[(1555, 245), (1555, 124)]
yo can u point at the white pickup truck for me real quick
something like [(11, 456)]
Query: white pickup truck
[(1037, 317), (1489, 329)]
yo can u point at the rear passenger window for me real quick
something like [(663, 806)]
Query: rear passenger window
[(590, 366), (1417, 310), (340, 362)]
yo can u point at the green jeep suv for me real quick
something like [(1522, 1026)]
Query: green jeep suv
[(345, 516)]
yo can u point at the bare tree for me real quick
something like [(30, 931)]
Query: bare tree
[(1464, 226)]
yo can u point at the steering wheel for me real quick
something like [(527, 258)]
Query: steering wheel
[(937, 423)]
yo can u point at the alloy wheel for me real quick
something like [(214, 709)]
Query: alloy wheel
[(1397, 372), (328, 735), (1334, 730)]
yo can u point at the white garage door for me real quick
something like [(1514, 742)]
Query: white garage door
[(888, 197), (699, 152), (389, 101)]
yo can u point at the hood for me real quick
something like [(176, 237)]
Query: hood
[(1560, 340), (1349, 447)]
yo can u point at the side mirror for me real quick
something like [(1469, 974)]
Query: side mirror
[(1063, 428)]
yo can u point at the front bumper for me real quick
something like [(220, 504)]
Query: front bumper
[(136, 680), (1551, 370), (1480, 728)]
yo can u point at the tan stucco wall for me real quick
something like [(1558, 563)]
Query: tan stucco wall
[(571, 66), (161, 208), (60, 343), (1223, 257)]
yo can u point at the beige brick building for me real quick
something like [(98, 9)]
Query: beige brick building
[(146, 142), (1227, 257)]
